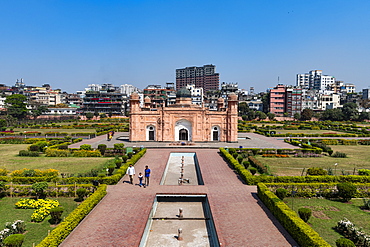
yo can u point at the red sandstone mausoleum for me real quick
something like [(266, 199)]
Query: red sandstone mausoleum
[(184, 121)]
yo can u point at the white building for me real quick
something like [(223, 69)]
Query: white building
[(330, 101), (128, 89), (315, 80), (196, 94)]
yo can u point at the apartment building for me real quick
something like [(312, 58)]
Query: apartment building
[(204, 77), (315, 80), (277, 100)]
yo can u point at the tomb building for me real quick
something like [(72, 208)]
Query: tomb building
[(183, 121)]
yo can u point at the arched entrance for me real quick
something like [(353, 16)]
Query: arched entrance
[(183, 130), (215, 133), (183, 135), (150, 133)]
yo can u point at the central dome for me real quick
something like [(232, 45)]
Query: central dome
[(183, 93)]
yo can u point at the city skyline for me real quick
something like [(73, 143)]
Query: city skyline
[(72, 44)]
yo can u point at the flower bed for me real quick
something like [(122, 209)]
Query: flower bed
[(42, 207)]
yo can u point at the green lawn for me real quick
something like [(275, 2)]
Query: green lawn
[(327, 213), (35, 231), (72, 165), (358, 157)]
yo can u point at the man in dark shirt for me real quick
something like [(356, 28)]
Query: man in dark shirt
[(147, 175)]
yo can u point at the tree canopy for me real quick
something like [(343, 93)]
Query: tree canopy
[(16, 106)]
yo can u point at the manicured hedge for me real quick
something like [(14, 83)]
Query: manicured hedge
[(318, 189), (253, 180), (298, 229), (73, 219)]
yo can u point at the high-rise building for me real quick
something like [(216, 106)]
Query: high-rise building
[(204, 77), (315, 80)]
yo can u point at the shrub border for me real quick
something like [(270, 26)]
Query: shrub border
[(73, 219), (297, 228)]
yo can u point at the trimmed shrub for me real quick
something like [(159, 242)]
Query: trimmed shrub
[(364, 172), (102, 148), (346, 191), (81, 193), (56, 214), (339, 155), (86, 153), (246, 164), (253, 170), (344, 242), (366, 203), (240, 159), (85, 147), (235, 155), (15, 240), (118, 146), (317, 171), (39, 188), (118, 162), (111, 169), (29, 153), (304, 213), (124, 158), (281, 193)]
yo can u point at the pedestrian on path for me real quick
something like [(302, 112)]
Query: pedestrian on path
[(140, 179), (147, 175), (131, 172)]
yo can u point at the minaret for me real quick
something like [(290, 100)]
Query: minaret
[(134, 117), (232, 118)]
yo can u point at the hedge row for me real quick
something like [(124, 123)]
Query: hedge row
[(243, 173), (328, 190), (73, 219), (253, 180), (257, 164), (298, 229), (68, 190)]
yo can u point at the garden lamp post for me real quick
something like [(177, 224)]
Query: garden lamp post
[(335, 169)]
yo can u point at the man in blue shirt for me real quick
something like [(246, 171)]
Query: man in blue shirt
[(147, 175)]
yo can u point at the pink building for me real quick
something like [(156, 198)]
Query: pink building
[(277, 100), (183, 121)]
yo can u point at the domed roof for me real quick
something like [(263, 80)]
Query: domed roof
[(183, 93), (147, 99), (220, 100), (233, 97), (134, 95)]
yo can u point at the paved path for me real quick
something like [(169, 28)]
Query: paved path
[(246, 140), (239, 216)]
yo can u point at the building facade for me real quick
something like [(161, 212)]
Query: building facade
[(204, 77), (315, 80), (277, 100), (183, 121)]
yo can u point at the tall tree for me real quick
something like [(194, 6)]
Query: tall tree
[(306, 114), (350, 111), (332, 114), (243, 108), (16, 106)]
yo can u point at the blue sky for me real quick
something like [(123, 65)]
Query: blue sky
[(70, 44)]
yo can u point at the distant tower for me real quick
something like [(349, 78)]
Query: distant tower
[(251, 90)]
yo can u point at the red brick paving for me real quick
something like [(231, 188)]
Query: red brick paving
[(240, 219)]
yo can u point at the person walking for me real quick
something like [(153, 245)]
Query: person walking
[(140, 179), (147, 175), (131, 173)]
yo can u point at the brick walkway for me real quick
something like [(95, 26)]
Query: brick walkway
[(240, 218)]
